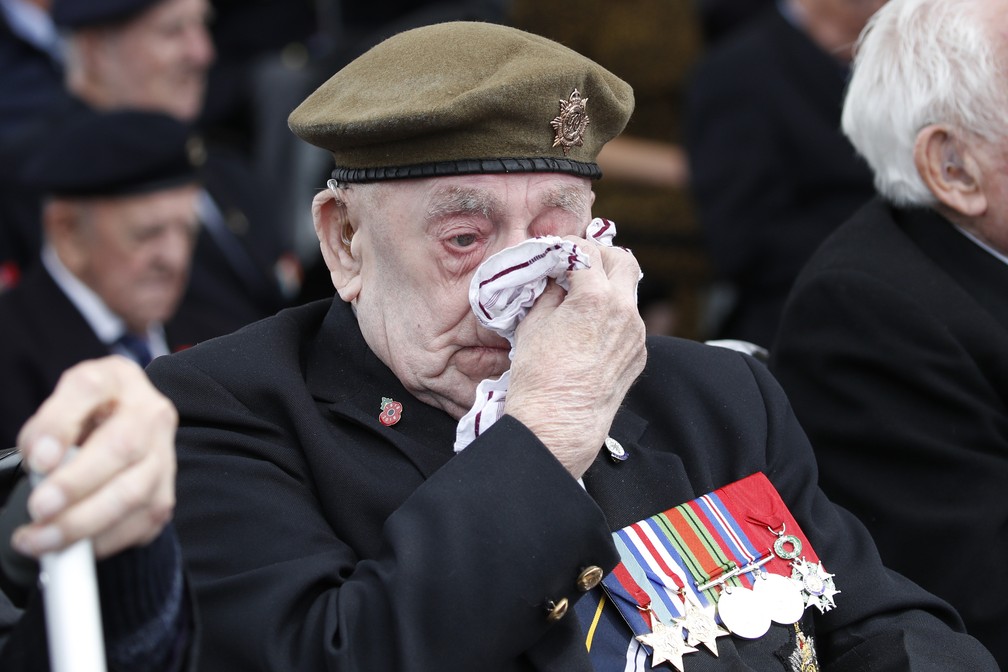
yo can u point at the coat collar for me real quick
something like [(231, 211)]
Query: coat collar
[(980, 274)]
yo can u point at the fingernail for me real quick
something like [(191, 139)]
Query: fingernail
[(20, 542), (45, 454), (37, 542), (45, 502)]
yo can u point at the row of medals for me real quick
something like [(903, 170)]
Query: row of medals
[(745, 612)]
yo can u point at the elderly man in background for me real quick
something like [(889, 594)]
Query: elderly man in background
[(154, 55), (120, 222), (146, 54), (894, 344)]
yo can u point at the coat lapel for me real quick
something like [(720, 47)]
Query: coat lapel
[(980, 274), (647, 482)]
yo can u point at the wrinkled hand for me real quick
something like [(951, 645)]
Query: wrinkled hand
[(576, 356), (119, 489)]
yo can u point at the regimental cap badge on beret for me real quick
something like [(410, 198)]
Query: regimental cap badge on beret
[(571, 123)]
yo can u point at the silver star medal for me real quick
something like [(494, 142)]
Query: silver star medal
[(699, 624), (667, 644), (816, 583)]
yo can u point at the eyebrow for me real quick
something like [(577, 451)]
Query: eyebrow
[(567, 197), (462, 200)]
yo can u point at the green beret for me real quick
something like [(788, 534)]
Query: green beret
[(465, 97)]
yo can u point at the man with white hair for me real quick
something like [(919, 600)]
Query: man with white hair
[(894, 344)]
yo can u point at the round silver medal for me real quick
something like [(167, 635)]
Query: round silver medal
[(781, 598), (743, 612)]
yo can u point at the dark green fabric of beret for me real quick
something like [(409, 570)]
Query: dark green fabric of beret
[(465, 97), (115, 153)]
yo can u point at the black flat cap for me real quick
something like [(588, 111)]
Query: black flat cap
[(83, 13), (465, 97), (114, 154)]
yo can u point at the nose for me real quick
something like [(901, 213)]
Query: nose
[(514, 235), (175, 252), (199, 45)]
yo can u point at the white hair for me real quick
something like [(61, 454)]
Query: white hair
[(920, 62)]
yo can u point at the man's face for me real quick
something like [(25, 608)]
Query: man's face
[(135, 251), (158, 60), (418, 243)]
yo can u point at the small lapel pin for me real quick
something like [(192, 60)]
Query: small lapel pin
[(391, 412), (616, 450)]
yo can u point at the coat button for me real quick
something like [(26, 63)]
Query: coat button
[(589, 578), (557, 610)]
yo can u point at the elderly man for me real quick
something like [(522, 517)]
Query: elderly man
[(119, 224), (147, 54), (154, 55), (894, 345), (347, 499)]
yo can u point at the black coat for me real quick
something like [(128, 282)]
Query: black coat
[(42, 334), (318, 538), (770, 169), (894, 350)]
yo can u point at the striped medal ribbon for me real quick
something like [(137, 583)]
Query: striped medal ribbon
[(732, 560)]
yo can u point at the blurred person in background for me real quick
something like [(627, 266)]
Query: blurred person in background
[(120, 222), (771, 172)]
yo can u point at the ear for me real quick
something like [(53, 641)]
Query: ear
[(336, 238), (949, 169), (61, 222)]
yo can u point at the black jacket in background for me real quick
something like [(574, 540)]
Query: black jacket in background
[(771, 172), (894, 352)]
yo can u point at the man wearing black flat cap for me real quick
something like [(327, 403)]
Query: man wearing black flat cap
[(154, 55), (119, 227)]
